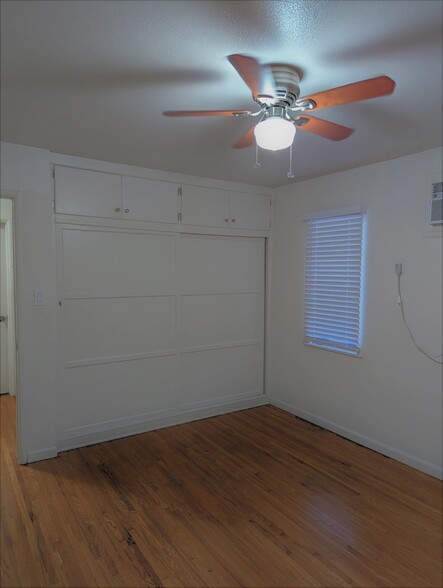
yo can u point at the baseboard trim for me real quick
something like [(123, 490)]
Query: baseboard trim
[(397, 454), (39, 454), (82, 439)]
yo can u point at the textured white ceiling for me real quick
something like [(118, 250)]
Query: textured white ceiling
[(91, 79)]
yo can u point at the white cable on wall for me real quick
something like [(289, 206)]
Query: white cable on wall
[(398, 271)]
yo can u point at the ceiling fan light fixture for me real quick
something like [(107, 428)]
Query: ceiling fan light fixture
[(274, 133)]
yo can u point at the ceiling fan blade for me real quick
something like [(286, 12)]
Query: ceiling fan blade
[(324, 128), (245, 140), (372, 88), (257, 77), (206, 112)]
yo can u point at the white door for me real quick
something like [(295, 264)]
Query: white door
[(222, 318), (155, 323), (117, 327), (4, 367)]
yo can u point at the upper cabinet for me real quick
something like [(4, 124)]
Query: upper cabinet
[(250, 211), (149, 200), (87, 193), (221, 208), (106, 195), (205, 207)]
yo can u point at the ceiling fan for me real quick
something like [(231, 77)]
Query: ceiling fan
[(275, 88)]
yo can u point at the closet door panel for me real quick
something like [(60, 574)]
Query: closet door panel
[(221, 319), (98, 328), (221, 264), (111, 394), (117, 328), (219, 375), (116, 262)]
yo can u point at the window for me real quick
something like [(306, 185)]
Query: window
[(333, 281)]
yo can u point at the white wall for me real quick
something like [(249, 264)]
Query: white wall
[(391, 399), (26, 172)]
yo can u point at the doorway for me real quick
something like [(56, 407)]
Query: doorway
[(8, 379)]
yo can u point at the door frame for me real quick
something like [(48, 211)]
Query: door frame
[(5, 223), (14, 228)]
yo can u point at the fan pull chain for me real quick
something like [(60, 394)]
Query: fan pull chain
[(256, 164), (290, 173)]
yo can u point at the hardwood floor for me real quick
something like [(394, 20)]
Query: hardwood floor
[(253, 498)]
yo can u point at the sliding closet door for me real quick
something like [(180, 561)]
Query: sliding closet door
[(117, 327), (222, 318), (153, 324)]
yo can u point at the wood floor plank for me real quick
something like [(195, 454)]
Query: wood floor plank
[(254, 498)]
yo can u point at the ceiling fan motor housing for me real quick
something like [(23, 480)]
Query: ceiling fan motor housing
[(287, 83)]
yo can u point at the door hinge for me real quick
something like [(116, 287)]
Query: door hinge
[(179, 191), (53, 172), (179, 216)]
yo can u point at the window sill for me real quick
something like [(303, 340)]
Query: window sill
[(333, 350)]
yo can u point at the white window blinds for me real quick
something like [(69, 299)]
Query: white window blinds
[(334, 248)]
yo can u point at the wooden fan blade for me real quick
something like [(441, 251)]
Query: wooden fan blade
[(206, 112), (246, 140), (324, 128), (372, 88), (258, 78)]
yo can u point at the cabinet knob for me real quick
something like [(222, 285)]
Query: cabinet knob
[(117, 210), (226, 220), (233, 220), (126, 210)]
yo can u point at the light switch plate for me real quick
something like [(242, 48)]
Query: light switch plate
[(39, 298)]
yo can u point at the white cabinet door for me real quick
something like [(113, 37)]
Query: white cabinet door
[(205, 206), (249, 211), (149, 200), (87, 193)]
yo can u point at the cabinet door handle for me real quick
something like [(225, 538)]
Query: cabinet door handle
[(126, 210), (117, 210)]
